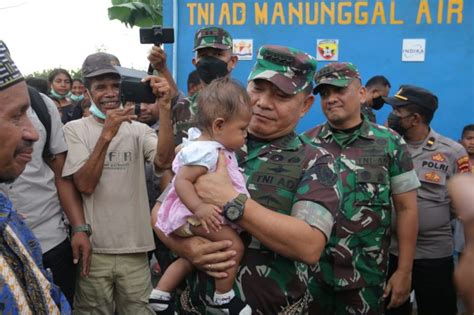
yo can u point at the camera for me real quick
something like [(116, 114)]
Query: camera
[(156, 35), (132, 89)]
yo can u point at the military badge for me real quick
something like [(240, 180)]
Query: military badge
[(327, 50)]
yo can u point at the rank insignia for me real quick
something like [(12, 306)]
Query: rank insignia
[(432, 177), (438, 157), (463, 164)]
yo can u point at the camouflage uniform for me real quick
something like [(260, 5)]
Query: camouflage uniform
[(279, 174), (373, 163), (184, 111), (368, 112)]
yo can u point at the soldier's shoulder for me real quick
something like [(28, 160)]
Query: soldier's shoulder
[(184, 102), (314, 152), (385, 132), (311, 134)]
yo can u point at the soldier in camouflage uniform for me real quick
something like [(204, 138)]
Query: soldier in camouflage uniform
[(377, 88), (294, 195), (213, 59), (436, 159), (374, 166)]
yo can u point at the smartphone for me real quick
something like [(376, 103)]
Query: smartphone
[(156, 35)]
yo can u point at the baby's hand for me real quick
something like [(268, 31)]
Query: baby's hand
[(209, 216)]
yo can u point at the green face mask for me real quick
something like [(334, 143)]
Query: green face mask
[(76, 98), (95, 110), (58, 96)]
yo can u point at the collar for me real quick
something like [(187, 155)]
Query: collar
[(365, 130), (290, 142)]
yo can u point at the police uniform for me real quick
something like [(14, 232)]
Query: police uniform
[(280, 173), (373, 163), (436, 160)]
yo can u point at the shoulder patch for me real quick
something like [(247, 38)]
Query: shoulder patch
[(463, 164), (325, 175)]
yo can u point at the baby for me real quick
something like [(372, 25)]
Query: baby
[(223, 114)]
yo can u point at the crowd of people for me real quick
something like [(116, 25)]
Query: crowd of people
[(243, 214)]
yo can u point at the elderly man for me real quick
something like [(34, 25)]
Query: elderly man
[(26, 288), (294, 197)]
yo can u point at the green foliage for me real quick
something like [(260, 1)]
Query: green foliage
[(75, 73), (141, 13)]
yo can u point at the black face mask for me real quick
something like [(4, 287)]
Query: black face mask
[(210, 68), (393, 122), (377, 103)]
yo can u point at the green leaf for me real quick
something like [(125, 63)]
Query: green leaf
[(137, 13)]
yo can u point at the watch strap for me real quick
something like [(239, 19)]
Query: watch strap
[(241, 199), (82, 228)]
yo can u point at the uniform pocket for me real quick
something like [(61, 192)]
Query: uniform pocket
[(372, 187), (433, 185)]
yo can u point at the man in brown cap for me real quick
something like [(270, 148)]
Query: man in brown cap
[(25, 287), (106, 159), (375, 168), (293, 204)]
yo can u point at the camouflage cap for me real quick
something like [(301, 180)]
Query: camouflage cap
[(214, 37), (9, 73), (98, 64), (290, 69), (337, 73)]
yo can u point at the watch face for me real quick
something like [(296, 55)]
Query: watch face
[(233, 213)]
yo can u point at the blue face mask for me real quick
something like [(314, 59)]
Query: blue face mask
[(58, 96), (95, 110), (77, 98)]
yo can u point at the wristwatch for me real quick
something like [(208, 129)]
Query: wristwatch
[(234, 209), (82, 228)]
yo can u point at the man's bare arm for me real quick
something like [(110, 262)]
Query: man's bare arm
[(71, 202), (399, 285)]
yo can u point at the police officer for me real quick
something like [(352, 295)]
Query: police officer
[(374, 167), (294, 198), (436, 159)]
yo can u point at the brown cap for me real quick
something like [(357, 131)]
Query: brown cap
[(98, 64)]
